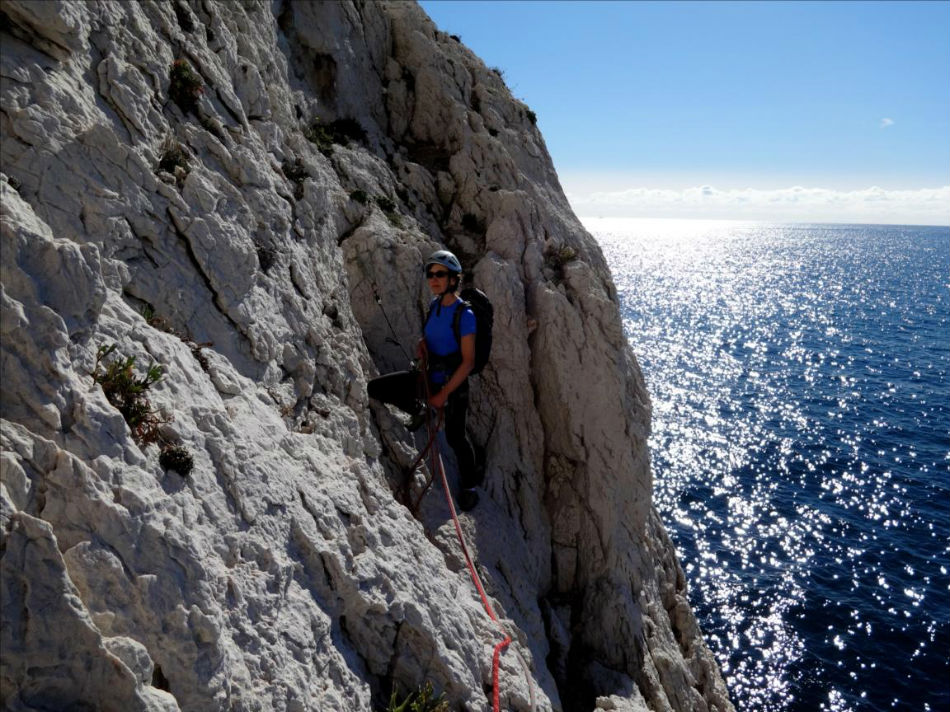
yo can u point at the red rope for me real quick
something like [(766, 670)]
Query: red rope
[(433, 449), (496, 654)]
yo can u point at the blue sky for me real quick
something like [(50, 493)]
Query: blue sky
[(761, 110)]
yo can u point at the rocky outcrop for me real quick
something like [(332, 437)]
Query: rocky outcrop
[(242, 194)]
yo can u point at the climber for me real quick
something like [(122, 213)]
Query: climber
[(448, 363)]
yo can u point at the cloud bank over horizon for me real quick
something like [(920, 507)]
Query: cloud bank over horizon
[(926, 206)]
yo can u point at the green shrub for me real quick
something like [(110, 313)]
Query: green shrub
[(532, 117), (556, 257), (421, 701), (389, 209), (174, 158), (320, 135), (128, 393), (185, 86), (340, 131), (177, 458), (359, 196)]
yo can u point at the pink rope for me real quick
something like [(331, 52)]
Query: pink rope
[(496, 654)]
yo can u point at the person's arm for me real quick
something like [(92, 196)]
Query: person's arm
[(461, 373)]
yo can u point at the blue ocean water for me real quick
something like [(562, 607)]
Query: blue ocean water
[(800, 380)]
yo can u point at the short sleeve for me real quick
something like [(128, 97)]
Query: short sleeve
[(467, 323)]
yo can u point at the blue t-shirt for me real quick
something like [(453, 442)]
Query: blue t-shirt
[(439, 335)]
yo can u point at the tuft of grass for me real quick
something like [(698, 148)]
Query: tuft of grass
[(423, 700), (185, 87), (177, 458), (556, 257), (340, 132), (389, 210), (128, 393), (320, 135), (157, 322)]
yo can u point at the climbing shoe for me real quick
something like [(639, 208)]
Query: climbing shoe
[(468, 498)]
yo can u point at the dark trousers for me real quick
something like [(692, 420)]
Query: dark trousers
[(404, 389)]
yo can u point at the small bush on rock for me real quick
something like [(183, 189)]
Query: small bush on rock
[(177, 458), (318, 134), (421, 701), (340, 131), (128, 393), (389, 209), (185, 86), (359, 196)]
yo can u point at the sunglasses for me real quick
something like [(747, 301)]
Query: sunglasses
[(437, 275)]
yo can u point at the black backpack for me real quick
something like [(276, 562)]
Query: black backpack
[(478, 302)]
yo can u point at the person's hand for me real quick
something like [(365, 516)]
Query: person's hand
[(421, 348), (438, 400)]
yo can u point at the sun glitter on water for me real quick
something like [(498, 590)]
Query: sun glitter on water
[(799, 383)]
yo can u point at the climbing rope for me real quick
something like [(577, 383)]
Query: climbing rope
[(496, 654), (431, 448)]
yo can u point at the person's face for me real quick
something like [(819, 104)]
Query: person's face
[(438, 278)]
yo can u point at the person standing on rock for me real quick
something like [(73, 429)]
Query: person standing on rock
[(449, 360)]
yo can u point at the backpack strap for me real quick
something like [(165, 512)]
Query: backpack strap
[(457, 322)]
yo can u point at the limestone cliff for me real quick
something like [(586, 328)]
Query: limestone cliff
[(242, 193)]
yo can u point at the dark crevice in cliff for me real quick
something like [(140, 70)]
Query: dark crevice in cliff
[(568, 659)]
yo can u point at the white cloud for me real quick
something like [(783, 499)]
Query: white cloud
[(927, 206), (885, 122)]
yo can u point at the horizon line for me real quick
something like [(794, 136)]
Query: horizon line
[(759, 220)]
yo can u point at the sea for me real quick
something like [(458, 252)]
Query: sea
[(800, 382)]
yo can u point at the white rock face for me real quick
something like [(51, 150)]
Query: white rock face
[(258, 268)]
